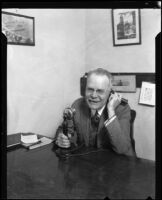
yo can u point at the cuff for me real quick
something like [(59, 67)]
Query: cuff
[(108, 121)]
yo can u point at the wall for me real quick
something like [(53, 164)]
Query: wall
[(135, 58), (43, 79), (100, 52)]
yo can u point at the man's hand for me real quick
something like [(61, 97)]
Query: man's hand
[(114, 101), (63, 140)]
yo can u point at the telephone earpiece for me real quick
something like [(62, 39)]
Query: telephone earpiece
[(123, 100)]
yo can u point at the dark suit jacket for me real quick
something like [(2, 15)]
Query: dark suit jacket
[(115, 136)]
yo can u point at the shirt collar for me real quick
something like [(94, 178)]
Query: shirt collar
[(99, 111)]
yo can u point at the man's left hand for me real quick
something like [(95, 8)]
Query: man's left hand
[(114, 101)]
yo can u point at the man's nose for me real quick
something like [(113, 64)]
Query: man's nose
[(94, 94)]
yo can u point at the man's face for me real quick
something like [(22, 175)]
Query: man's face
[(97, 91)]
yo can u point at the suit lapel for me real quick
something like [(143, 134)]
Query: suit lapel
[(102, 119), (101, 128), (86, 114)]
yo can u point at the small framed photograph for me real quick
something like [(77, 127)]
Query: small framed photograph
[(126, 26), (124, 83), (19, 29), (147, 94)]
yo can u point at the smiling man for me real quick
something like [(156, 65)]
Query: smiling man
[(100, 120)]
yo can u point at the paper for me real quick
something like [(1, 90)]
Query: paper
[(29, 139), (147, 95), (44, 141)]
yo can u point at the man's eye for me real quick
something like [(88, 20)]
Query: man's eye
[(90, 90), (100, 91)]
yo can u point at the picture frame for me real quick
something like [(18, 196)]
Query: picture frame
[(147, 94), (18, 29), (126, 27), (124, 83)]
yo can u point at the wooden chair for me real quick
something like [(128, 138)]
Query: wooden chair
[(133, 116)]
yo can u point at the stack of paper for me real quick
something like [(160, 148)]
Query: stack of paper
[(31, 141)]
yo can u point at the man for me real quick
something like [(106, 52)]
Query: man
[(113, 130)]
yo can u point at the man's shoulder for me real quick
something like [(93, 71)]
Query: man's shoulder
[(79, 102), (81, 107), (123, 108)]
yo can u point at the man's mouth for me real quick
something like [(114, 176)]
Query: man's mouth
[(93, 101)]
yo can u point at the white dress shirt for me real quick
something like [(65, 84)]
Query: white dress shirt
[(108, 121)]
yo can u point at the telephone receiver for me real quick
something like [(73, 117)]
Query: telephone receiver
[(123, 100)]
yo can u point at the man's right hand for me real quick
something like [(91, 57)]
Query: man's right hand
[(63, 141)]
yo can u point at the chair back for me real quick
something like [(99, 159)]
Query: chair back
[(133, 116)]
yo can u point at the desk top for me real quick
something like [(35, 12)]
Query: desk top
[(40, 174)]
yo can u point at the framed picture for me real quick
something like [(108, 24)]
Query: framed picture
[(147, 94), (126, 26), (19, 29), (124, 83)]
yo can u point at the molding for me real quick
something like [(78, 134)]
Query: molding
[(148, 77)]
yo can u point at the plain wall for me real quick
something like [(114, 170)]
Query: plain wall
[(44, 79)]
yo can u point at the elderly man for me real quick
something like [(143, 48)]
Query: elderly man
[(100, 119)]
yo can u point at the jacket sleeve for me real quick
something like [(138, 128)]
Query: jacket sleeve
[(119, 131)]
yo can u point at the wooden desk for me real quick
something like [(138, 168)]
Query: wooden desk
[(40, 174)]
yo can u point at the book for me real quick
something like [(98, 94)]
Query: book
[(13, 146), (31, 141)]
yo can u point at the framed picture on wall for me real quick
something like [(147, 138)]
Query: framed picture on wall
[(124, 83), (19, 29), (126, 27), (147, 94)]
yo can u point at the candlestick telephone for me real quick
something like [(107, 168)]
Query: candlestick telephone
[(68, 127)]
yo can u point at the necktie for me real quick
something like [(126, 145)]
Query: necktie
[(94, 129), (96, 119)]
